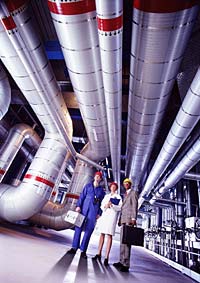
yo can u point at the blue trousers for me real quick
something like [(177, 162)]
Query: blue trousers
[(89, 228)]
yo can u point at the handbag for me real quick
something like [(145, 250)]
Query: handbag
[(133, 235), (74, 217)]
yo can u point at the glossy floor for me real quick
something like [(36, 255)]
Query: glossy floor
[(33, 255)]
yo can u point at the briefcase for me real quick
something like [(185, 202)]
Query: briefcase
[(74, 217), (133, 235)]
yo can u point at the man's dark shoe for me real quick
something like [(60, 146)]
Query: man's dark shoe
[(106, 262), (72, 251), (96, 257), (117, 264), (124, 269), (83, 255)]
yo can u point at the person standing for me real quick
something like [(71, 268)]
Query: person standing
[(128, 216), (106, 224), (89, 205)]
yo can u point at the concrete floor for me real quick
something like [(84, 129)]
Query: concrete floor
[(33, 255)]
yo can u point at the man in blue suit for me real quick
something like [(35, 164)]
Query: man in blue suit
[(89, 205)]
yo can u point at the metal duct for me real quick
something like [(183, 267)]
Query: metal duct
[(17, 135), (110, 21), (77, 20), (185, 121), (187, 162), (18, 203), (35, 78), (52, 215), (160, 33), (192, 176), (28, 51), (5, 93)]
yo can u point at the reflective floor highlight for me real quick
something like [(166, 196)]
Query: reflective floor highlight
[(34, 255)]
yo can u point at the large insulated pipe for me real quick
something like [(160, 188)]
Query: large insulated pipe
[(23, 201), (110, 28), (13, 143), (53, 215), (186, 163), (77, 20), (185, 121), (44, 172), (18, 24), (160, 33)]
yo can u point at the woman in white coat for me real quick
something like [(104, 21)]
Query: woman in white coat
[(106, 224)]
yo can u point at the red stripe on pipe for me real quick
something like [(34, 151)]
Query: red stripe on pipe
[(8, 23), (110, 24), (72, 8), (53, 194), (2, 171), (14, 5), (163, 6), (39, 179), (72, 196)]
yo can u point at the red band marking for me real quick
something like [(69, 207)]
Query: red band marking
[(72, 196), (159, 6), (72, 8), (2, 171), (110, 24), (8, 23), (14, 5), (40, 179)]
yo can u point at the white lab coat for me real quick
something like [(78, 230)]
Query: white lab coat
[(106, 224)]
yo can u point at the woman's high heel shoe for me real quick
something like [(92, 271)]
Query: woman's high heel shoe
[(106, 262), (97, 257)]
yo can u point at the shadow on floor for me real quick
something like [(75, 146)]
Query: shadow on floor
[(58, 272)]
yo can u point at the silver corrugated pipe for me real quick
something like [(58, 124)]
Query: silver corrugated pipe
[(160, 33), (110, 27), (34, 191), (28, 49), (52, 215), (77, 20), (13, 143), (5, 93), (187, 162), (185, 121), (35, 78)]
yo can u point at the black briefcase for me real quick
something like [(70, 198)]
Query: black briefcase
[(133, 236)]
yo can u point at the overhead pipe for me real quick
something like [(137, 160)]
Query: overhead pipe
[(43, 81), (187, 162), (192, 176), (38, 88), (77, 20), (153, 70), (110, 29), (185, 121)]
